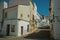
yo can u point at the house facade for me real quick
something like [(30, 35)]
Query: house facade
[(15, 28), (37, 17), (18, 20), (25, 2)]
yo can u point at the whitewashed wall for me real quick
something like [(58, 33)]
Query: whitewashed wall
[(15, 12), (12, 12), (18, 24), (56, 12), (11, 22), (37, 18), (25, 10), (24, 24)]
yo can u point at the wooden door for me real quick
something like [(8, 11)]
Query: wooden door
[(8, 30)]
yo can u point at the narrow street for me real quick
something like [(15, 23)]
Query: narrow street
[(37, 35)]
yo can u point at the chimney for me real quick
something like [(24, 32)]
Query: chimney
[(5, 4)]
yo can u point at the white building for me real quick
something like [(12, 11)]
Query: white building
[(38, 20), (18, 20), (37, 17), (55, 9), (15, 27)]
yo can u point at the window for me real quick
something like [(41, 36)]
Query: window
[(42, 17), (27, 28), (13, 28), (33, 17), (21, 15), (5, 16), (28, 15)]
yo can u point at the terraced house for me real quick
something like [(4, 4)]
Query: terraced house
[(17, 19)]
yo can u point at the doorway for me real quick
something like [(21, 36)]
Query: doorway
[(8, 30), (27, 28), (21, 30)]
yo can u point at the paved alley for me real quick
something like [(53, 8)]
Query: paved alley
[(37, 35)]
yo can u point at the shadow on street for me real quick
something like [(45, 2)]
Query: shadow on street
[(39, 35)]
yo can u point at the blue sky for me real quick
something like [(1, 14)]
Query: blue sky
[(3, 0), (42, 6)]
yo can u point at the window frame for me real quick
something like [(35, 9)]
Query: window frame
[(12, 28)]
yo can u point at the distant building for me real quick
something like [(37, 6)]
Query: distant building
[(45, 22), (37, 17), (37, 20)]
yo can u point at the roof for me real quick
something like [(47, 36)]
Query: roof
[(15, 6), (11, 7), (19, 2)]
